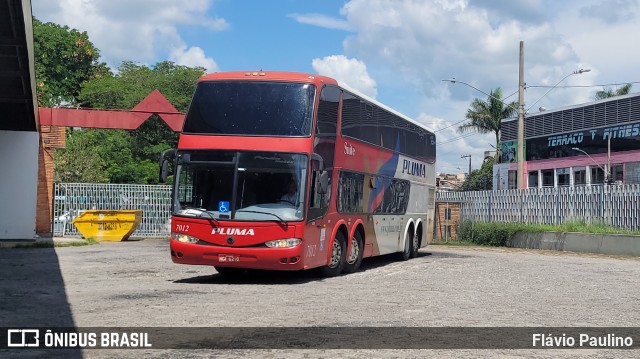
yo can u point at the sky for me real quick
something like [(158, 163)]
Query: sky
[(396, 51)]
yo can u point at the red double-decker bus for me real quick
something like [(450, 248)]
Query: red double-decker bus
[(291, 171)]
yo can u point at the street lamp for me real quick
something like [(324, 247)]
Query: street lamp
[(465, 156), (453, 80), (576, 72), (520, 110), (607, 174)]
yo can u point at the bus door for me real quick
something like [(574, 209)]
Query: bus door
[(318, 230)]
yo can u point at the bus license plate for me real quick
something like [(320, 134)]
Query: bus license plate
[(228, 258)]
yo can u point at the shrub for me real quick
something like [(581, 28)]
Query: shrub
[(488, 234), (498, 234)]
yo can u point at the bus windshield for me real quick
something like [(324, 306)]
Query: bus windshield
[(245, 186), (253, 108)]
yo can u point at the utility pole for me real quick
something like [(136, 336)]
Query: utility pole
[(609, 174), (520, 179), (465, 156)]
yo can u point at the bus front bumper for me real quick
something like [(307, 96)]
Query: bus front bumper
[(250, 258)]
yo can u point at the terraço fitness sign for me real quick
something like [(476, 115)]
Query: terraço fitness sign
[(623, 138), (604, 134)]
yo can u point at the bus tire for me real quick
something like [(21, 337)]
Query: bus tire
[(354, 257), (405, 255), (417, 238), (230, 272), (337, 257)]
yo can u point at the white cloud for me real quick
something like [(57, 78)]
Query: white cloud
[(193, 57), (350, 71), (451, 145), (611, 11), (424, 42), (413, 45), (124, 30), (321, 21)]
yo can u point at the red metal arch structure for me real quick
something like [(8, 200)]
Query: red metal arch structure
[(53, 122), (154, 103)]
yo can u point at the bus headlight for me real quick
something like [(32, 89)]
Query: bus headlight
[(181, 237), (283, 243)]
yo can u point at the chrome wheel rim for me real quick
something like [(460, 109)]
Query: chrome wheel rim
[(336, 253), (355, 251)]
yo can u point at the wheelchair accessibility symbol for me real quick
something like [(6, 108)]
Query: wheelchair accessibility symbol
[(223, 206)]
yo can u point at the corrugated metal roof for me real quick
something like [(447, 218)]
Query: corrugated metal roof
[(611, 111), (17, 105)]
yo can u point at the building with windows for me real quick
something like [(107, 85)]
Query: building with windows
[(579, 145)]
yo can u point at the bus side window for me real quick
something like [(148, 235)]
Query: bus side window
[(320, 195)]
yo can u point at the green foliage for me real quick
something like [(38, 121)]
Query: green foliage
[(51, 244), (480, 180), (133, 82), (456, 243), (580, 227), (127, 156), (487, 116), (100, 156), (151, 138), (68, 73), (132, 157), (64, 59), (607, 92), (78, 162), (498, 234), (488, 234)]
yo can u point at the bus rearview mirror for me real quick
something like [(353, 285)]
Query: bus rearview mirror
[(316, 158), (324, 182), (164, 164)]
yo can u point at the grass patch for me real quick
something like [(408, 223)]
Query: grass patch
[(582, 227), (456, 243), (498, 234), (51, 244)]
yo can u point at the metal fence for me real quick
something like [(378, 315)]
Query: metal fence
[(614, 205), (71, 199)]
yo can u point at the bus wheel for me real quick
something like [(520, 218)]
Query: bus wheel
[(406, 252), (354, 257), (337, 258), (416, 243), (230, 272)]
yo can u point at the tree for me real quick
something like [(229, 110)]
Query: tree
[(607, 92), (487, 116), (482, 179), (77, 162), (64, 60), (132, 156)]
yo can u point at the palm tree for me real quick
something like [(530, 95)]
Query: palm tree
[(487, 116), (606, 93)]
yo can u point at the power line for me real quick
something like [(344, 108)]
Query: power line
[(449, 140), (539, 86), (451, 125), (583, 86)]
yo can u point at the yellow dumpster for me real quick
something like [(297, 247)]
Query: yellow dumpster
[(112, 226)]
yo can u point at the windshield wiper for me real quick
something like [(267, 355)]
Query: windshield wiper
[(280, 220), (210, 217), (202, 213)]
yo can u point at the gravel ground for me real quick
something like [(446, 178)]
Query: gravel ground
[(135, 284)]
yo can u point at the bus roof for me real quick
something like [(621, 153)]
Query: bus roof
[(302, 77), (269, 76), (379, 104)]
